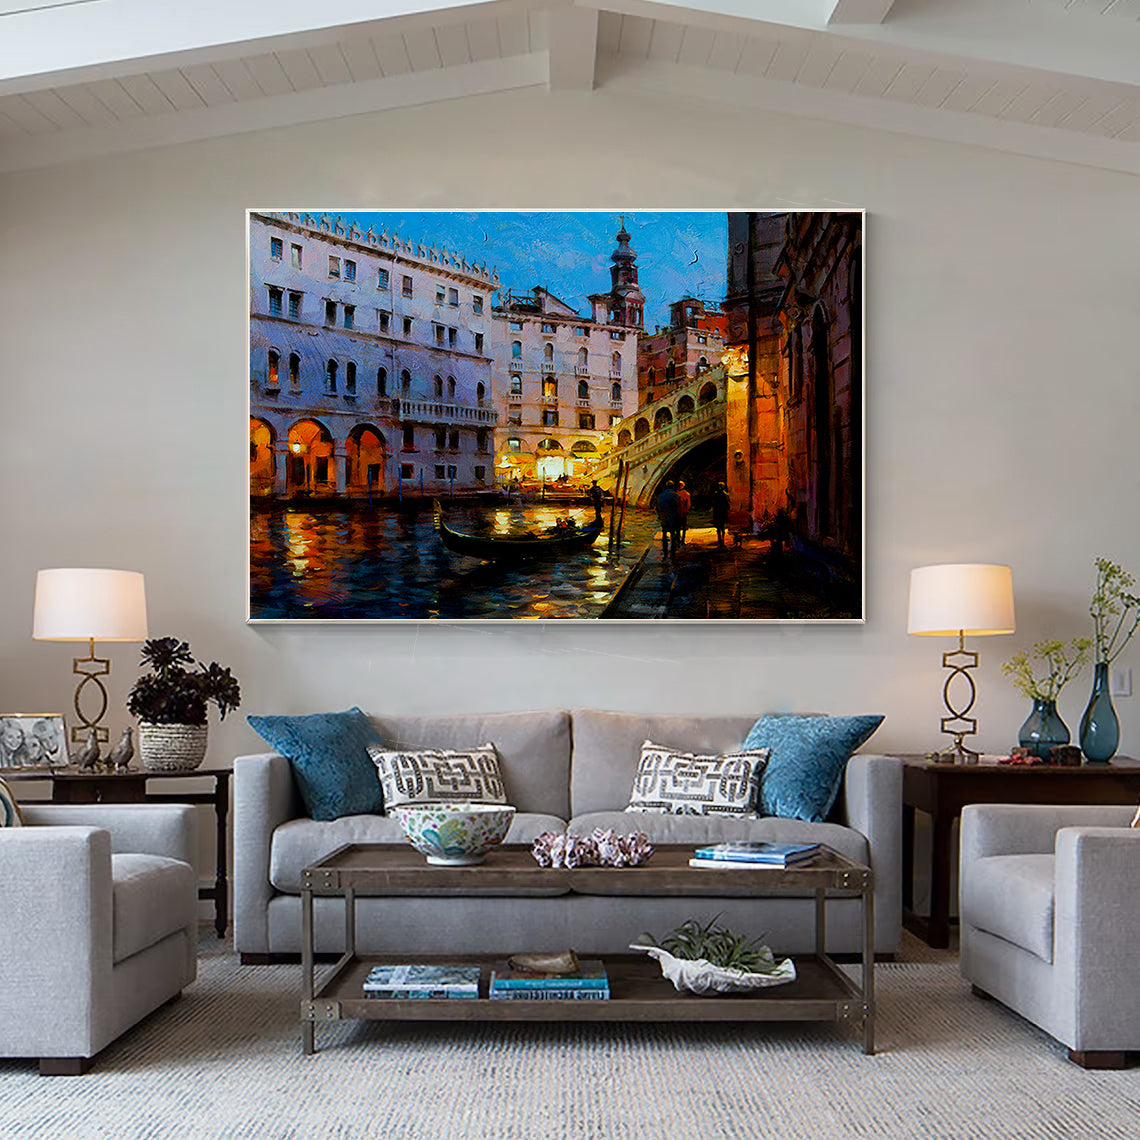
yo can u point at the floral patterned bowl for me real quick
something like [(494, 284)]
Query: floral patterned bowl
[(454, 835)]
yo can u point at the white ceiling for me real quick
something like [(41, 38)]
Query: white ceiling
[(1055, 78)]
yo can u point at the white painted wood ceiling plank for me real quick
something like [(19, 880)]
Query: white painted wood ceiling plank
[(51, 106), (360, 58), (142, 90), (665, 41), (879, 76), (483, 39), (238, 80), (392, 54), (636, 33), (82, 100), (173, 85), (787, 61), (514, 35), (330, 65), (211, 90), (817, 64), (848, 70), (453, 47), (696, 46), (729, 52), (423, 50)]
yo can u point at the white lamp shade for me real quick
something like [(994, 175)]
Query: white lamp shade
[(972, 598), (80, 605)]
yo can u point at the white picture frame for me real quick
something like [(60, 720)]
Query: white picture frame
[(33, 740)]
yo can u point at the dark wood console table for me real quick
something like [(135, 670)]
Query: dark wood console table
[(76, 786), (942, 790)]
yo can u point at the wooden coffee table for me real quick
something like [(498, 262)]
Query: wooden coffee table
[(821, 991)]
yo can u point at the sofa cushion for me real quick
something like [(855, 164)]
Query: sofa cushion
[(701, 830), (301, 842), (432, 775), (687, 783), (607, 750), (533, 749), (151, 897), (1011, 896), (329, 758), (809, 756)]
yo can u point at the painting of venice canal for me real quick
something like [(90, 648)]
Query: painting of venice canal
[(446, 424)]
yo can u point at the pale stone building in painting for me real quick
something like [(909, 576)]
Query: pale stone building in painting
[(370, 363), (565, 379)]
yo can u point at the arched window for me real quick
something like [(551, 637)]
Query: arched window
[(652, 376), (662, 419), (381, 381), (583, 390), (405, 381), (294, 370), (707, 394), (548, 352), (516, 349), (330, 376), (641, 428), (685, 406), (670, 370), (273, 370), (702, 364), (615, 362), (624, 438), (615, 392), (583, 358), (350, 379), (437, 388), (451, 387), (480, 393)]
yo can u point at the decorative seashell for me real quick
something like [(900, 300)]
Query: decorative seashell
[(560, 962)]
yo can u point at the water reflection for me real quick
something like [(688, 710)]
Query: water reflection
[(333, 563)]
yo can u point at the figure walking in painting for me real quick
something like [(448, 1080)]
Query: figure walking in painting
[(684, 502), (597, 497), (667, 504), (720, 501)]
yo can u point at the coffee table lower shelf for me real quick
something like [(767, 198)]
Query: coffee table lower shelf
[(821, 992)]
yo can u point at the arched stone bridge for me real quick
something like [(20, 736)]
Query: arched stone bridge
[(659, 434)]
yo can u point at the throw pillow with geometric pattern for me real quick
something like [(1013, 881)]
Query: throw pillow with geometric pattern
[(9, 809), (686, 783), (432, 775)]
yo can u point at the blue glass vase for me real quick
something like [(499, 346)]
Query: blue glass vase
[(1100, 730), (1043, 729)]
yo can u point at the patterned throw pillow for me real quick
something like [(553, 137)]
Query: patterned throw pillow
[(432, 775), (683, 783), (9, 809)]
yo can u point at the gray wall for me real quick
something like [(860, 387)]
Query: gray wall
[(1001, 401)]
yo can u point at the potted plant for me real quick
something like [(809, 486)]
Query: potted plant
[(171, 702), (1044, 728)]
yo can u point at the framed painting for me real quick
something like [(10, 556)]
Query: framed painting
[(584, 415), (33, 740)]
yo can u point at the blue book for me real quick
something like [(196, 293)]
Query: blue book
[(590, 975), (759, 852)]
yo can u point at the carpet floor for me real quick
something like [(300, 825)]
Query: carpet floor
[(225, 1061)]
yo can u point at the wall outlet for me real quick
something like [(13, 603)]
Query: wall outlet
[(1120, 681)]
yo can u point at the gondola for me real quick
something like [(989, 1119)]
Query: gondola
[(514, 549)]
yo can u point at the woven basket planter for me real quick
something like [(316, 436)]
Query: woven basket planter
[(172, 747)]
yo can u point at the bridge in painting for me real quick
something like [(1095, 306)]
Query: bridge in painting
[(659, 434)]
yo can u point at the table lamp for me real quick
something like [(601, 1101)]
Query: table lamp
[(959, 600), (90, 605)]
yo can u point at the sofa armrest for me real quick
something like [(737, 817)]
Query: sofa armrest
[(56, 899), (143, 829), (1027, 829), (1096, 930), (264, 798), (872, 801)]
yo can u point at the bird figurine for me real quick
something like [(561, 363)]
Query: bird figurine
[(88, 756), (120, 756)]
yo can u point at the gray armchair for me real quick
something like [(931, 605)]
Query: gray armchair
[(1049, 921), (99, 927)]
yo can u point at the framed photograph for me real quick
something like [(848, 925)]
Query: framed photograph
[(33, 740), (578, 415)]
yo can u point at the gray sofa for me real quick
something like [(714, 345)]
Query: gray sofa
[(1050, 924), (98, 925), (561, 769)]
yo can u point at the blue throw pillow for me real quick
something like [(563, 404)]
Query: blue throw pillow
[(329, 755), (809, 755)]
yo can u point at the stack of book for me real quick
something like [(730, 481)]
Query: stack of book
[(757, 854), (415, 981), (588, 983)]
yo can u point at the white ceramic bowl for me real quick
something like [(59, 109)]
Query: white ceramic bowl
[(454, 835)]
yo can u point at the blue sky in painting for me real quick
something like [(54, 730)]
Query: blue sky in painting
[(678, 253)]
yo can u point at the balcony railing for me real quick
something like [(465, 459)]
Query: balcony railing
[(581, 370), (435, 412)]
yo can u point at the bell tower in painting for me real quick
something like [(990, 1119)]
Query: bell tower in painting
[(627, 301)]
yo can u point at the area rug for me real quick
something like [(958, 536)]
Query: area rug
[(225, 1061)]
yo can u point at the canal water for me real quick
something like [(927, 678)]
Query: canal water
[(326, 562)]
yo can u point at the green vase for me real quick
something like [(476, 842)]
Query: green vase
[(1043, 729)]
